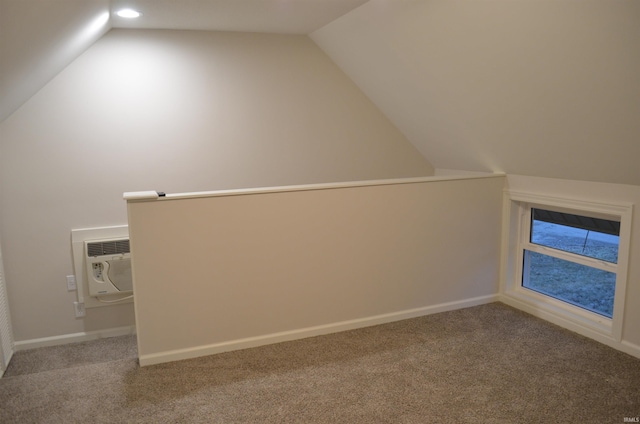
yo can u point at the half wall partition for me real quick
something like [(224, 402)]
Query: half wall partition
[(225, 270)]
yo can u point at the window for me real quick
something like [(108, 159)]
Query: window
[(566, 260), (572, 258)]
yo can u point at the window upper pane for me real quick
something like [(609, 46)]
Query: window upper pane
[(592, 237)]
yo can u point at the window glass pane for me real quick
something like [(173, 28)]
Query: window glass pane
[(580, 285), (582, 241)]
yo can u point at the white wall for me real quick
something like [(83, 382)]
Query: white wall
[(228, 271), (603, 193), (547, 88), (171, 111)]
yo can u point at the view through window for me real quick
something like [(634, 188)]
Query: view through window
[(572, 258)]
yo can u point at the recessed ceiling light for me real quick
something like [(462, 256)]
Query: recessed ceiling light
[(128, 13)]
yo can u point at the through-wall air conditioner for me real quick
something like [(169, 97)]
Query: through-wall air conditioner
[(108, 266)]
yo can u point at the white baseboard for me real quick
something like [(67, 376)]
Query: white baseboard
[(227, 346), (624, 346), (73, 338)]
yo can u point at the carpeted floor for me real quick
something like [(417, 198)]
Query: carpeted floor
[(72, 355), (487, 364)]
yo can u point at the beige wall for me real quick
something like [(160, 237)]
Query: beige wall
[(219, 273), (547, 88), (601, 193), (172, 111)]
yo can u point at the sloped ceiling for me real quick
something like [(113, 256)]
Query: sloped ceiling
[(38, 38), (547, 88)]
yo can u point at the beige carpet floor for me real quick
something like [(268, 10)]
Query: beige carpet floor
[(487, 364)]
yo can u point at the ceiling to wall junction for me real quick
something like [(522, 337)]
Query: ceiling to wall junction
[(547, 88), (38, 38), (270, 16)]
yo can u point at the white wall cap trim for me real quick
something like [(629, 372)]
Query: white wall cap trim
[(152, 195)]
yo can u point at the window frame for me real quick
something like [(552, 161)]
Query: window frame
[(516, 239)]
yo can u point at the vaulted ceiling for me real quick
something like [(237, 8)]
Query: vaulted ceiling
[(38, 38), (548, 88)]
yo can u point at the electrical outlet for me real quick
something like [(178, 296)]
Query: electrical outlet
[(79, 307), (71, 283)]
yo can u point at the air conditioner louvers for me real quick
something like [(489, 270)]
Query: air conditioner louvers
[(111, 247)]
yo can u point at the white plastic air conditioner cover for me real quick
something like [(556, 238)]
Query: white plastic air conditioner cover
[(108, 266)]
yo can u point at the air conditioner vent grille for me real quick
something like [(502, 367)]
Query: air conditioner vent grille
[(111, 247)]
